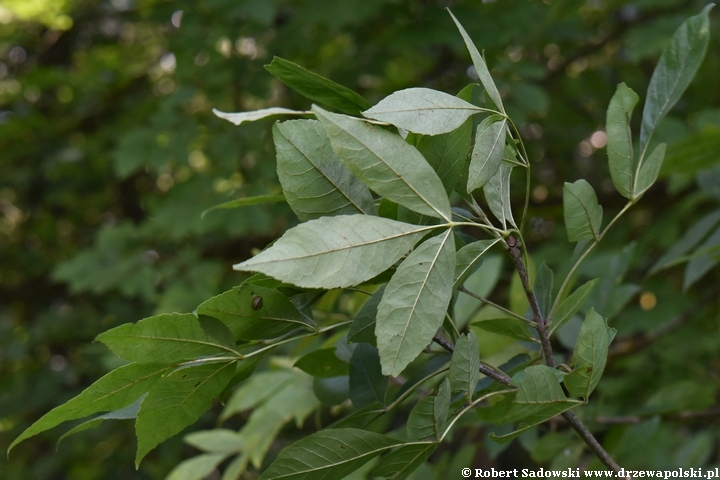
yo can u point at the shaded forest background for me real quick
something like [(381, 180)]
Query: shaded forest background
[(109, 152)]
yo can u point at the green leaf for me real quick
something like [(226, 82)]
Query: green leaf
[(678, 64), (401, 462), (442, 407), (362, 328), (487, 153), (543, 289), (367, 383), (278, 397), (589, 357), (469, 258), (465, 364), (447, 153), (649, 170), (691, 238), (423, 110), (328, 454), (497, 194), (114, 391), (538, 384), (415, 302), (126, 413), (256, 390), (323, 363), (387, 164), (317, 88), (539, 398), (240, 117), (571, 305), (480, 66), (703, 260), (509, 327), (421, 422), (619, 139), (360, 418), (315, 182), (276, 316), (178, 400), (169, 339), (583, 215), (196, 468), (429, 416), (219, 440), (337, 251), (245, 202)]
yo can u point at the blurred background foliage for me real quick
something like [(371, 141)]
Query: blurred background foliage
[(109, 153)]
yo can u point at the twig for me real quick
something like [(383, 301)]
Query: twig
[(491, 303)]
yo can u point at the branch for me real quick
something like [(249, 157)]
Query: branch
[(516, 255), (574, 421), (590, 440)]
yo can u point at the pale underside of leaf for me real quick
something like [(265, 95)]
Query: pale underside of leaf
[(487, 154), (422, 110), (334, 252), (415, 302), (480, 66), (387, 164), (315, 182), (240, 117), (497, 194)]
